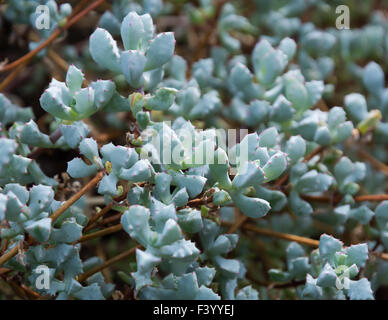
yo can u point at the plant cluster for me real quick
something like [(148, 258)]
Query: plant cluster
[(296, 207)]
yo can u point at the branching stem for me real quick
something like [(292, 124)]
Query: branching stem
[(291, 237), (26, 58), (101, 233), (11, 253), (91, 184), (107, 263)]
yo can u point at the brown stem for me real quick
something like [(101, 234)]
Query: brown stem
[(104, 137), (58, 60), (102, 212), (11, 76), (291, 237), (17, 289), (371, 197), (111, 219), (54, 137), (313, 153), (51, 38), (77, 196), (280, 235), (381, 255), (5, 245), (282, 180), (325, 199), (4, 271), (200, 201), (11, 253), (31, 293), (96, 216), (21, 290), (291, 284), (107, 263), (100, 233), (242, 219), (212, 27), (374, 162)]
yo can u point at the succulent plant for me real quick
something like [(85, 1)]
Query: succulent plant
[(329, 272), (308, 108)]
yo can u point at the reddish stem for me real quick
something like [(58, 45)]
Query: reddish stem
[(27, 57)]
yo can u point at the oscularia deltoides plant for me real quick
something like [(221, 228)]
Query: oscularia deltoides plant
[(193, 151)]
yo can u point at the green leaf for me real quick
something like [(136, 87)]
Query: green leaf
[(140, 171), (132, 31), (268, 138), (103, 92), (327, 278), (74, 79), (40, 230), (69, 232), (190, 220), (76, 168), (161, 100), (362, 214), (41, 197), (288, 46), (275, 166), (296, 148), (108, 185), (104, 50), (252, 207), (371, 121), (160, 51), (250, 175), (360, 290), (171, 233), (328, 246), (84, 102), (132, 66), (357, 254), (32, 136), (135, 222), (373, 78), (52, 102), (382, 214), (297, 94)]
